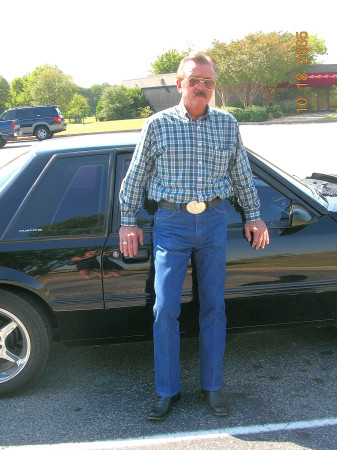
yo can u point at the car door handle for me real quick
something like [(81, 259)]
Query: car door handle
[(143, 254)]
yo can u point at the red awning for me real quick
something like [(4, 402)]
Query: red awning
[(322, 79), (315, 79)]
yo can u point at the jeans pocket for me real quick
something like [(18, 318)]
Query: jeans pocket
[(165, 214), (220, 207)]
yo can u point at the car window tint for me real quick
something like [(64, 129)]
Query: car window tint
[(69, 200), (26, 113), (45, 111), (9, 115), (275, 206)]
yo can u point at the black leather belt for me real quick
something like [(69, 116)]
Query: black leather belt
[(193, 207)]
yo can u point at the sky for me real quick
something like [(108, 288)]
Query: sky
[(114, 40)]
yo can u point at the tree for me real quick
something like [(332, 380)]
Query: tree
[(259, 62), (139, 103), (114, 104), (249, 64), (93, 94), (220, 52), (5, 93), (49, 85), (315, 48), (277, 59), (78, 108), (20, 92), (168, 62)]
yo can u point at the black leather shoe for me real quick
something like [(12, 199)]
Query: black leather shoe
[(161, 407), (217, 402)]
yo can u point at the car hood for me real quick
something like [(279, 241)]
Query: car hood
[(325, 186)]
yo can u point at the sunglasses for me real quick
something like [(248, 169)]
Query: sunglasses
[(194, 81)]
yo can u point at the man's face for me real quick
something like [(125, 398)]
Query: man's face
[(196, 98)]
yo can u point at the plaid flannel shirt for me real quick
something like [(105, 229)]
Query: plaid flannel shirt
[(179, 160)]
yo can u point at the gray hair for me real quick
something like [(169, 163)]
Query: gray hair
[(198, 58)]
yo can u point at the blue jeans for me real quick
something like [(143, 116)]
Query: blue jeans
[(176, 234)]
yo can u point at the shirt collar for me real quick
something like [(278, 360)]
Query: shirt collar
[(184, 113)]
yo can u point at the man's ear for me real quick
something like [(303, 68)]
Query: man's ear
[(179, 87)]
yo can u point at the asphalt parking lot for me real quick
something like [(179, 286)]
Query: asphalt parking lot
[(101, 395)]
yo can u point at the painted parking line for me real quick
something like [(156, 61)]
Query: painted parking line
[(186, 436)]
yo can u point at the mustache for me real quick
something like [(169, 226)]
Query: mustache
[(202, 93)]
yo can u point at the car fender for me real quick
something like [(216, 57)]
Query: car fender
[(16, 278), (42, 122)]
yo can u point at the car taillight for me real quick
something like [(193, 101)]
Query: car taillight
[(13, 125), (58, 119)]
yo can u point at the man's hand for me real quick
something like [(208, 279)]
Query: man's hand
[(260, 233), (128, 240)]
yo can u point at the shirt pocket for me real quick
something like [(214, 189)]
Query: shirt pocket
[(170, 164), (217, 160)]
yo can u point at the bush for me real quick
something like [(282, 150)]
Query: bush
[(258, 113), (236, 104), (251, 114), (144, 112), (241, 115), (288, 106), (275, 110)]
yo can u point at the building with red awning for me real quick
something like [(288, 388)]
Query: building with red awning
[(320, 79), (316, 94)]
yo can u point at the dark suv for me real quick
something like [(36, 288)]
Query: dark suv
[(39, 121)]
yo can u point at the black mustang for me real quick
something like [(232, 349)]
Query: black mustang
[(62, 274)]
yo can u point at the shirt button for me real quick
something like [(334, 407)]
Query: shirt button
[(200, 162), (199, 179)]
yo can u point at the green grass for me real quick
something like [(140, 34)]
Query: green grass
[(91, 126)]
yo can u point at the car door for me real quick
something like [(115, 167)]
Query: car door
[(56, 241), (276, 285), (128, 282), (294, 278), (26, 118)]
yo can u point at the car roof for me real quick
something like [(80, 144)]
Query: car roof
[(32, 106), (88, 141)]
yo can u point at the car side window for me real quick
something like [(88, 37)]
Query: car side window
[(9, 115), (70, 199), (275, 206), (44, 111), (25, 113)]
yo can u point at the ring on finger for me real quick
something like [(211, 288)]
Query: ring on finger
[(125, 243)]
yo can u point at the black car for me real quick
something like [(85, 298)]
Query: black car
[(62, 274), (40, 121)]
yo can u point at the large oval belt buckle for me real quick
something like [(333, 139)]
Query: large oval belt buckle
[(195, 207)]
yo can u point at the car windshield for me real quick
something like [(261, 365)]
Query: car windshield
[(10, 165), (297, 182)]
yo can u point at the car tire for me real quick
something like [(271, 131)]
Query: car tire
[(25, 337), (42, 132), (2, 142)]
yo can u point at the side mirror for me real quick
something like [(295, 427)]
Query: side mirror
[(299, 216)]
